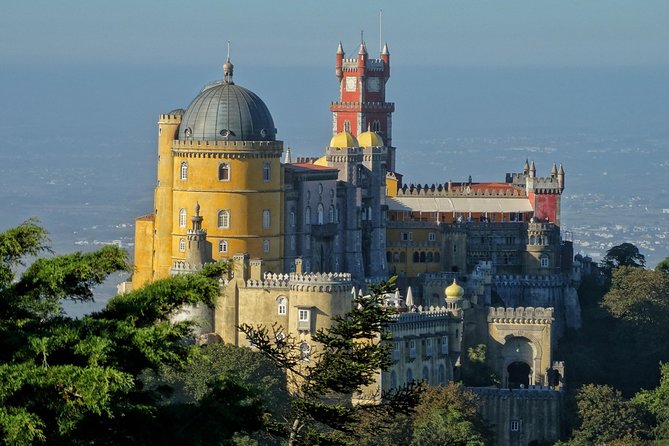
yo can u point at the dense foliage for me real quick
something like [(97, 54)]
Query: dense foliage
[(79, 381)]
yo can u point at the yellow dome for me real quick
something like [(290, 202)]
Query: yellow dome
[(343, 140), (322, 161), (454, 291), (370, 139)]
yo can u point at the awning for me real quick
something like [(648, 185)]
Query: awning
[(459, 204)]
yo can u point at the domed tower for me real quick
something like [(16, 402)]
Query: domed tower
[(454, 298), (222, 152)]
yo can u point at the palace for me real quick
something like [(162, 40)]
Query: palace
[(479, 263)]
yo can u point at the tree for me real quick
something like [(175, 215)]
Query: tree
[(656, 402), (608, 418), (349, 355), (449, 416), (663, 266), (476, 371), (625, 254), (639, 296), (79, 381)]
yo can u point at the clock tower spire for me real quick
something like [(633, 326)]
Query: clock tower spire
[(362, 97)]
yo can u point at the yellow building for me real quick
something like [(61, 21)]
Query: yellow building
[(219, 153)]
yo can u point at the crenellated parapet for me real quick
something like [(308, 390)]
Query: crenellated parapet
[(270, 281), (520, 315), (445, 190), (169, 118), (183, 267), (553, 280), (321, 282)]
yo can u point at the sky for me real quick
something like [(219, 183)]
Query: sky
[(297, 33)]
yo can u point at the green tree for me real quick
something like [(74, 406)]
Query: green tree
[(663, 266), (625, 254), (348, 357), (476, 370), (79, 381), (449, 416), (656, 402), (608, 418)]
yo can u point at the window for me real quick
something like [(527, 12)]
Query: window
[(303, 319), (389, 257), (515, 426), (265, 246), (347, 126), (307, 216), (331, 214), (442, 375), (266, 220), (303, 315), (437, 257), (224, 172), (182, 218), (223, 246), (376, 126), (320, 213), (431, 236), (224, 219), (282, 305), (320, 188), (429, 258), (182, 244), (292, 218), (266, 172), (184, 170), (416, 257), (545, 261), (409, 375), (426, 374)]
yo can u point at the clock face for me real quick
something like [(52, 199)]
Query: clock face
[(351, 83), (373, 84)]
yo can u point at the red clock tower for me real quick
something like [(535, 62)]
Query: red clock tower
[(362, 97)]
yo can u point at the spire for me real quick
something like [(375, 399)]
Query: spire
[(287, 159), (385, 51), (363, 47), (533, 170), (340, 48), (554, 170), (561, 171), (526, 167), (228, 68)]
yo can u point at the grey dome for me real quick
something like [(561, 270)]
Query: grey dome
[(224, 111)]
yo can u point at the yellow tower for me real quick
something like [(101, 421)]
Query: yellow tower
[(220, 152)]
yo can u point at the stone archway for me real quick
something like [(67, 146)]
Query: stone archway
[(518, 375)]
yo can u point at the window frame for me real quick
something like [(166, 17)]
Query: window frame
[(224, 167)]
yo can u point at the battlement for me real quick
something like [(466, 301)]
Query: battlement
[(533, 392), (169, 119), (444, 190), (351, 64), (270, 281), (183, 267), (520, 315), (554, 280), (387, 107), (423, 314)]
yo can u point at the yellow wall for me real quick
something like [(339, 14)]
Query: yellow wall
[(143, 271)]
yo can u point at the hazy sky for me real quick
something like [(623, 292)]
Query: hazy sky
[(271, 32)]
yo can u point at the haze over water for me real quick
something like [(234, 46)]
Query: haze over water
[(79, 134)]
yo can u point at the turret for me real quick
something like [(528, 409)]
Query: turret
[(554, 171), (340, 61), (560, 177), (526, 167), (385, 57), (196, 252), (362, 58), (533, 170)]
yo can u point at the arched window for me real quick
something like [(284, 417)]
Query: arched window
[(265, 246), (282, 305), (403, 257), (396, 257), (223, 246), (409, 375), (184, 170), (426, 374), (266, 172), (437, 257), (376, 126), (331, 214), (182, 244), (545, 261), (292, 218), (182, 218), (320, 213), (347, 126), (429, 258), (266, 219), (422, 257), (389, 257), (307, 215), (416, 257), (224, 219), (224, 172)]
